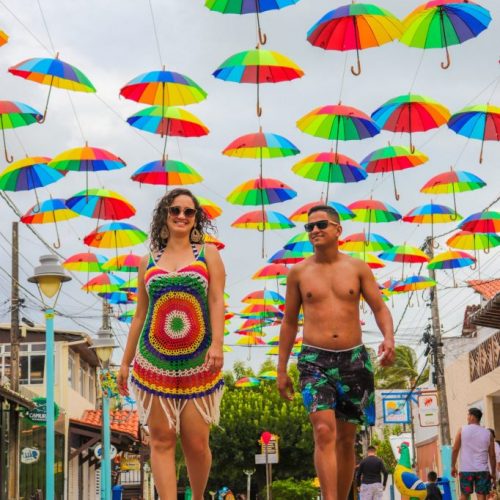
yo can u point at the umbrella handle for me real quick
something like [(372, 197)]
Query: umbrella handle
[(262, 38), (356, 71), (42, 119), (7, 158), (481, 153), (58, 242), (446, 65)]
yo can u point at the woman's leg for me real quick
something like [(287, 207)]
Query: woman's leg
[(194, 438), (162, 443)]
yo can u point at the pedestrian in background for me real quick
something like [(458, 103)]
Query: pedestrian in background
[(477, 457), (433, 491), (369, 476)]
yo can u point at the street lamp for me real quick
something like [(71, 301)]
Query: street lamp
[(49, 277), (104, 345)]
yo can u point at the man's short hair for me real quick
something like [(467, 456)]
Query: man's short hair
[(371, 448), (477, 413), (331, 212), (432, 476)]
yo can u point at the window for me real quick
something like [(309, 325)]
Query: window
[(91, 396), (71, 369), (84, 376), (32, 363)]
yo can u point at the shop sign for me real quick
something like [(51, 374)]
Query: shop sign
[(130, 462), (38, 415), (396, 410), (30, 455), (428, 410), (98, 451)]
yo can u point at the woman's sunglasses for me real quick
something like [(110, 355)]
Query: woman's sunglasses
[(187, 212), (321, 224)]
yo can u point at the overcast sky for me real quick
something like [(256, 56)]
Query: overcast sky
[(113, 41)]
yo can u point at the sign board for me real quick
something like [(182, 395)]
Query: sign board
[(38, 415), (272, 446), (130, 462), (396, 441), (260, 459), (30, 455), (98, 451), (396, 410), (428, 410)]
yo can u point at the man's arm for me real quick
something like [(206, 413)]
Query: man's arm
[(384, 472), (493, 458), (454, 453), (373, 297), (359, 472), (288, 331)]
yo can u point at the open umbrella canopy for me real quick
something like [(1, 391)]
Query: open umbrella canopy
[(211, 209), (368, 258), (300, 243), (271, 271), (168, 121), (261, 145), (130, 285), (355, 26), (451, 259), (166, 173), (263, 297), (127, 316), (482, 222), (49, 211), (441, 23), (115, 235), (261, 192), (28, 173), (263, 220), (128, 262), (268, 375), (212, 240), (250, 340), (454, 181), (4, 38), (466, 240), (373, 211), (406, 254), (247, 6), (247, 382), (480, 122), (285, 256), (104, 283), (300, 215), (411, 113), (101, 204), (432, 214), (119, 297), (362, 242), (163, 88), (412, 284), (339, 123), (87, 262)]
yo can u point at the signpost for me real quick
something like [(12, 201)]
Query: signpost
[(269, 456)]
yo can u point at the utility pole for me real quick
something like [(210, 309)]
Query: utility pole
[(14, 452)]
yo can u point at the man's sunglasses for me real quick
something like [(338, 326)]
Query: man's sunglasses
[(321, 224), (187, 212)]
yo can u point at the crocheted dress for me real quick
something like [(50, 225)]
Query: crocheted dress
[(170, 356)]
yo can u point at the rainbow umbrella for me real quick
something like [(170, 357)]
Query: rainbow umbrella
[(480, 122), (101, 204), (371, 260), (355, 27), (130, 285), (405, 254), (15, 114), (119, 297), (263, 297), (261, 145), (432, 214), (115, 235), (49, 211), (411, 113), (87, 262), (258, 66), (329, 167), (300, 215), (212, 240), (451, 259), (86, 159), (248, 7), (441, 23), (268, 220), (211, 209), (339, 123), (4, 38), (373, 211), (261, 192), (271, 271), (250, 340), (361, 242), (163, 88), (269, 375), (390, 159), (128, 262), (166, 173), (54, 73), (127, 316), (104, 283), (413, 284), (482, 222), (466, 240), (300, 243), (260, 311), (285, 256), (455, 181)]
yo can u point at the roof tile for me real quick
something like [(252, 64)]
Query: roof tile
[(124, 421), (487, 288)]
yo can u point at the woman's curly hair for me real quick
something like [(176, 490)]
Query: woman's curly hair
[(202, 223)]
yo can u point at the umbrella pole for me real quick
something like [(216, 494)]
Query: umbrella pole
[(444, 65), (58, 243), (396, 194), (453, 276), (328, 181), (481, 152), (262, 36), (42, 120), (259, 108), (7, 159), (455, 215)]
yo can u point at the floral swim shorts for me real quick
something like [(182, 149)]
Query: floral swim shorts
[(338, 380), (480, 482)]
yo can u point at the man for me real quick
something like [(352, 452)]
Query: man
[(433, 491), (476, 447), (369, 476), (336, 374)]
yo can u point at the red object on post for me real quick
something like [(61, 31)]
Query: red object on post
[(266, 437)]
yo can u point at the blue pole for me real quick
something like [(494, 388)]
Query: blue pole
[(446, 451), (106, 448), (49, 390)]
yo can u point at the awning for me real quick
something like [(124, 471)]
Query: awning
[(14, 397)]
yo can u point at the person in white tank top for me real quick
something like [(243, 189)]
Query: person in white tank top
[(477, 452)]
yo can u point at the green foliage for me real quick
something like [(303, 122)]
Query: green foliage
[(267, 365), (289, 489), (245, 414), (240, 370)]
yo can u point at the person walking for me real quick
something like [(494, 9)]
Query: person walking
[(433, 491), (336, 372), (371, 476), (176, 342), (476, 447)]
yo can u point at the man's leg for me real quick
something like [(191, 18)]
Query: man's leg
[(346, 435), (325, 458)]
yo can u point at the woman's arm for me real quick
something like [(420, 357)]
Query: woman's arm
[(135, 329), (217, 281)]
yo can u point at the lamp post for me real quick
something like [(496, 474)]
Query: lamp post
[(104, 345), (49, 277), (249, 473)]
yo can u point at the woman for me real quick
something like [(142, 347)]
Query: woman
[(176, 340)]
